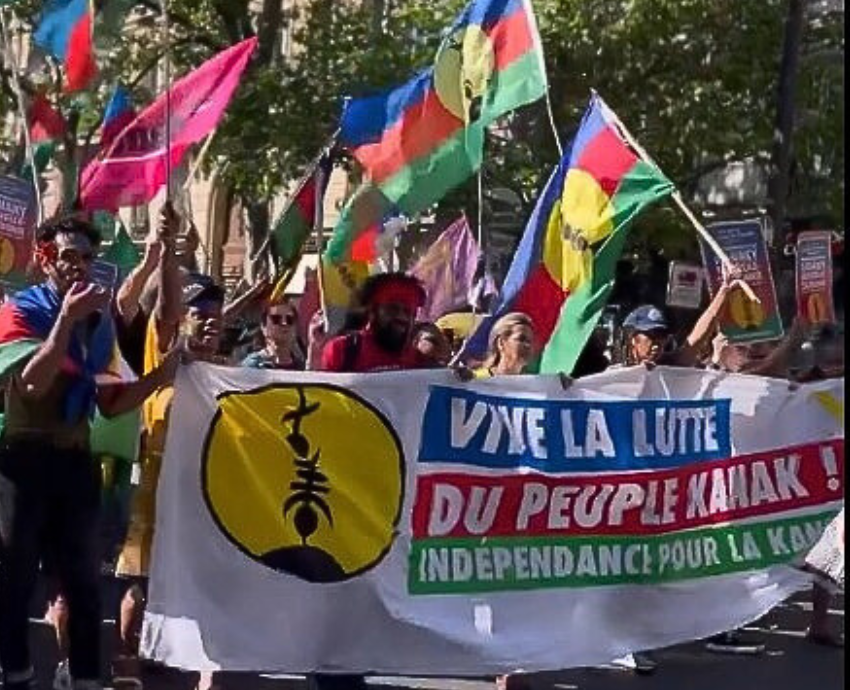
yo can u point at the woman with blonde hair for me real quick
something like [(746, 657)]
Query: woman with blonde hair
[(511, 346)]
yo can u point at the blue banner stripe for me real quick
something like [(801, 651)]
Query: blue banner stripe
[(463, 427)]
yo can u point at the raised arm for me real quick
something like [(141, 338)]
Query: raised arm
[(168, 309), (41, 371), (688, 354), (130, 293)]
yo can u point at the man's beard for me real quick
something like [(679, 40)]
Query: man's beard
[(390, 338)]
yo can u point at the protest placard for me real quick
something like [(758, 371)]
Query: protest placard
[(17, 229), (743, 320), (684, 285), (814, 277)]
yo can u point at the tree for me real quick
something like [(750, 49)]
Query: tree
[(695, 81)]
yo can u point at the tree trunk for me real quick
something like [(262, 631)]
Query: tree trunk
[(259, 226), (783, 133), (271, 20)]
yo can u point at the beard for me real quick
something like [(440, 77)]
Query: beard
[(391, 337)]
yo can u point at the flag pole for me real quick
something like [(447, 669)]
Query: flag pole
[(331, 142), (552, 124), (16, 85), (200, 159), (166, 28), (726, 262)]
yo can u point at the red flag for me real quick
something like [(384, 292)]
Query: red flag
[(133, 170), (45, 122)]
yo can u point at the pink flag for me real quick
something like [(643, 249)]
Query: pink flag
[(133, 169), (447, 270)]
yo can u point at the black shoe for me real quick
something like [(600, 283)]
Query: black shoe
[(733, 643)]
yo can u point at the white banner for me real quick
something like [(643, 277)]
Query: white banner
[(408, 523)]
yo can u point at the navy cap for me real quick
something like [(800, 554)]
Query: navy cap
[(646, 318)]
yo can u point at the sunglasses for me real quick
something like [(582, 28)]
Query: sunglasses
[(72, 256), (280, 319)]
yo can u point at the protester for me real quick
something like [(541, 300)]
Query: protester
[(188, 314), (63, 340), (391, 301), (509, 352), (825, 348), (646, 338), (384, 344), (280, 351), (510, 348)]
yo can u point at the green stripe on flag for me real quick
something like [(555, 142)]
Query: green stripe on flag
[(642, 186), (427, 179)]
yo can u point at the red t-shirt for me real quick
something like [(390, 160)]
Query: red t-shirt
[(370, 357)]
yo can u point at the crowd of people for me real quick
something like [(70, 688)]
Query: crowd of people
[(72, 354)]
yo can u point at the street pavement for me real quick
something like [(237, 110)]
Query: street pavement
[(789, 662)]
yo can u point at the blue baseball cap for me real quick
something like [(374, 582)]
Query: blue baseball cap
[(646, 318)]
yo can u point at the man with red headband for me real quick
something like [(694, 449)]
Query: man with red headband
[(391, 301), (384, 344)]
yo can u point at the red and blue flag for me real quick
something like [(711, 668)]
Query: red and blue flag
[(65, 31), (119, 114)]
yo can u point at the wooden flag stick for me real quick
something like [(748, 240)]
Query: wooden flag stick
[(166, 30), (200, 159)]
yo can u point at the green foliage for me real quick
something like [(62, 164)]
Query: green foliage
[(694, 80)]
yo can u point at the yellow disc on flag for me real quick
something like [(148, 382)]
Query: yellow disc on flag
[(7, 256), (306, 479), (583, 218), (462, 72)]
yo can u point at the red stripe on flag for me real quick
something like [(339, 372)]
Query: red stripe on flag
[(80, 66), (607, 159), (364, 248), (426, 124), (512, 38), (421, 128), (541, 298), (45, 122)]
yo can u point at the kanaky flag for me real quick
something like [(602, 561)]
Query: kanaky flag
[(65, 31), (45, 122), (423, 138), (133, 169), (563, 269)]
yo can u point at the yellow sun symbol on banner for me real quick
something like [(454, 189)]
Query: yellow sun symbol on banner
[(306, 479), (464, 67)]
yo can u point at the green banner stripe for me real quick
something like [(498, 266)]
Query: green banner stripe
[(462, 565)]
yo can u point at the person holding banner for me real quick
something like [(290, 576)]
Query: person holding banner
[(278, 323), (511, 347), (384, 344), (187, 318), (58, 340), (646, 338)]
